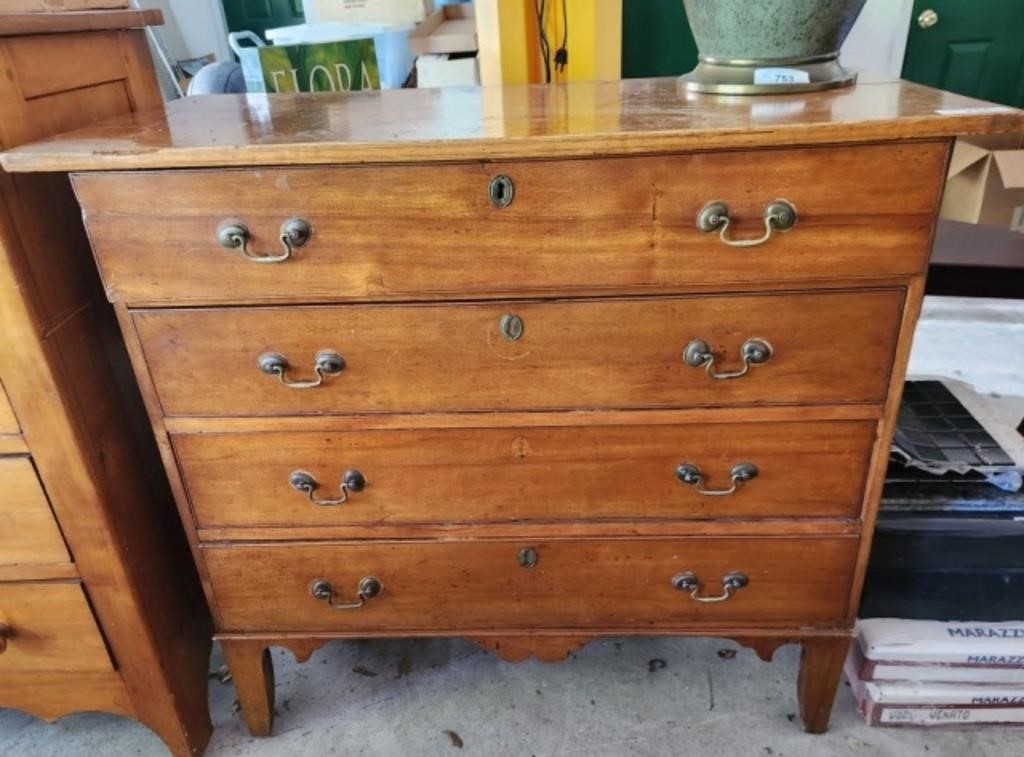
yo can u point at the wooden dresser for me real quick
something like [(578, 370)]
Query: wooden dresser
[(526, 365), (100, 607)]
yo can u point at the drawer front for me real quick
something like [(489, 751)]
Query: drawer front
[(576, 225), (8, 422), (610, 353), (49, 627), (813, 469), (29, 533), (603, 583)]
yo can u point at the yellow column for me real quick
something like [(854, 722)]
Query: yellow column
[(595, 40), (509, 48)]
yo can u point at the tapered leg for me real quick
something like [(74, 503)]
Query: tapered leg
[(253, 674), (821, 665)]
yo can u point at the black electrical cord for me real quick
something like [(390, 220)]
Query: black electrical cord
[(562, 53), (545, 45)]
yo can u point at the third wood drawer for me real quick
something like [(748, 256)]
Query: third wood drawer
[(547, 473), (791, 348)]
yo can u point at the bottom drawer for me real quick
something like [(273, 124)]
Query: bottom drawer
[(512, 584), (49, 627)]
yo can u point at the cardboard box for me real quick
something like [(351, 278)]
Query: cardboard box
[(447, 70), (57, 6), (986, 183), (452, 29), (390, 12)]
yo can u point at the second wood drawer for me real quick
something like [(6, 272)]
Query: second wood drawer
[(571, 583), (827, 348), (807, 469)]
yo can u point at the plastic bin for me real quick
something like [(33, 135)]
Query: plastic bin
[(394, 59), (249, 57)]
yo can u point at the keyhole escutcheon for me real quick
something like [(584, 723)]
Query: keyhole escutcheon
[(501, 191)]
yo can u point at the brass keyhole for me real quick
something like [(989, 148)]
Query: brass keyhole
[(928, 19), (511, 327), (527, 557), (501, 191)]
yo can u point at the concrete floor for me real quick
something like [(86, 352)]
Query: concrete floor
[(631, 697)]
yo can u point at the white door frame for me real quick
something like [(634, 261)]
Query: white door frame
[(878, 41)]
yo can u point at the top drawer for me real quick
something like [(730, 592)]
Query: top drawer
[(572, 226)]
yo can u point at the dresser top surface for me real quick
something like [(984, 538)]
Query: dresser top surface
[(582, 119), (21, 24)]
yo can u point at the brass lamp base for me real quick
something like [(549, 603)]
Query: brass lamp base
[(767, 77)]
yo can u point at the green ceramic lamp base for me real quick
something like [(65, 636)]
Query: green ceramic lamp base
[(767, 77)]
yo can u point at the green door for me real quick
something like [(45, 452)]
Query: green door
[(656, 39), (260, 15), (973, 47)]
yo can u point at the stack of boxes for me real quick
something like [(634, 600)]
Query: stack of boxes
[(935, 673)]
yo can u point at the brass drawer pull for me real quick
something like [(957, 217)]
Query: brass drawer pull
[(327, 363), (295, 232), (778, 215), (369, 587), (731, 582), (688, 473), (351, 481), (6, 632), (753, 352)]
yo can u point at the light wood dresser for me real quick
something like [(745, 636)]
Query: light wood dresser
[(100, 605), (526, 365)]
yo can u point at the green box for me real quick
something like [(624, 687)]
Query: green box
[(320, 67)]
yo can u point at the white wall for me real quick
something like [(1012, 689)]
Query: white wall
[(878, 40), (192, 28)]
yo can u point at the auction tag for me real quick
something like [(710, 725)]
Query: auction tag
[(983, 111), (781, 76)]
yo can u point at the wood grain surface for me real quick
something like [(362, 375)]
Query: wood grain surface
[(512, 473), (573, 225), (575, 583), (51, 628), (53, 695), (638, 116), (16, 24), (8, 422), (28, 530), (540, 529), (572, 354)]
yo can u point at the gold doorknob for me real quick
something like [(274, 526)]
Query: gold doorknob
[(927, 19)]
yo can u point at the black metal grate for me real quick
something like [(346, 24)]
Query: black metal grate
[(934, 427)]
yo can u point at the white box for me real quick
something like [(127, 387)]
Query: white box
[(933, 641), (400, 12), (447, 71), (452, 29)]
